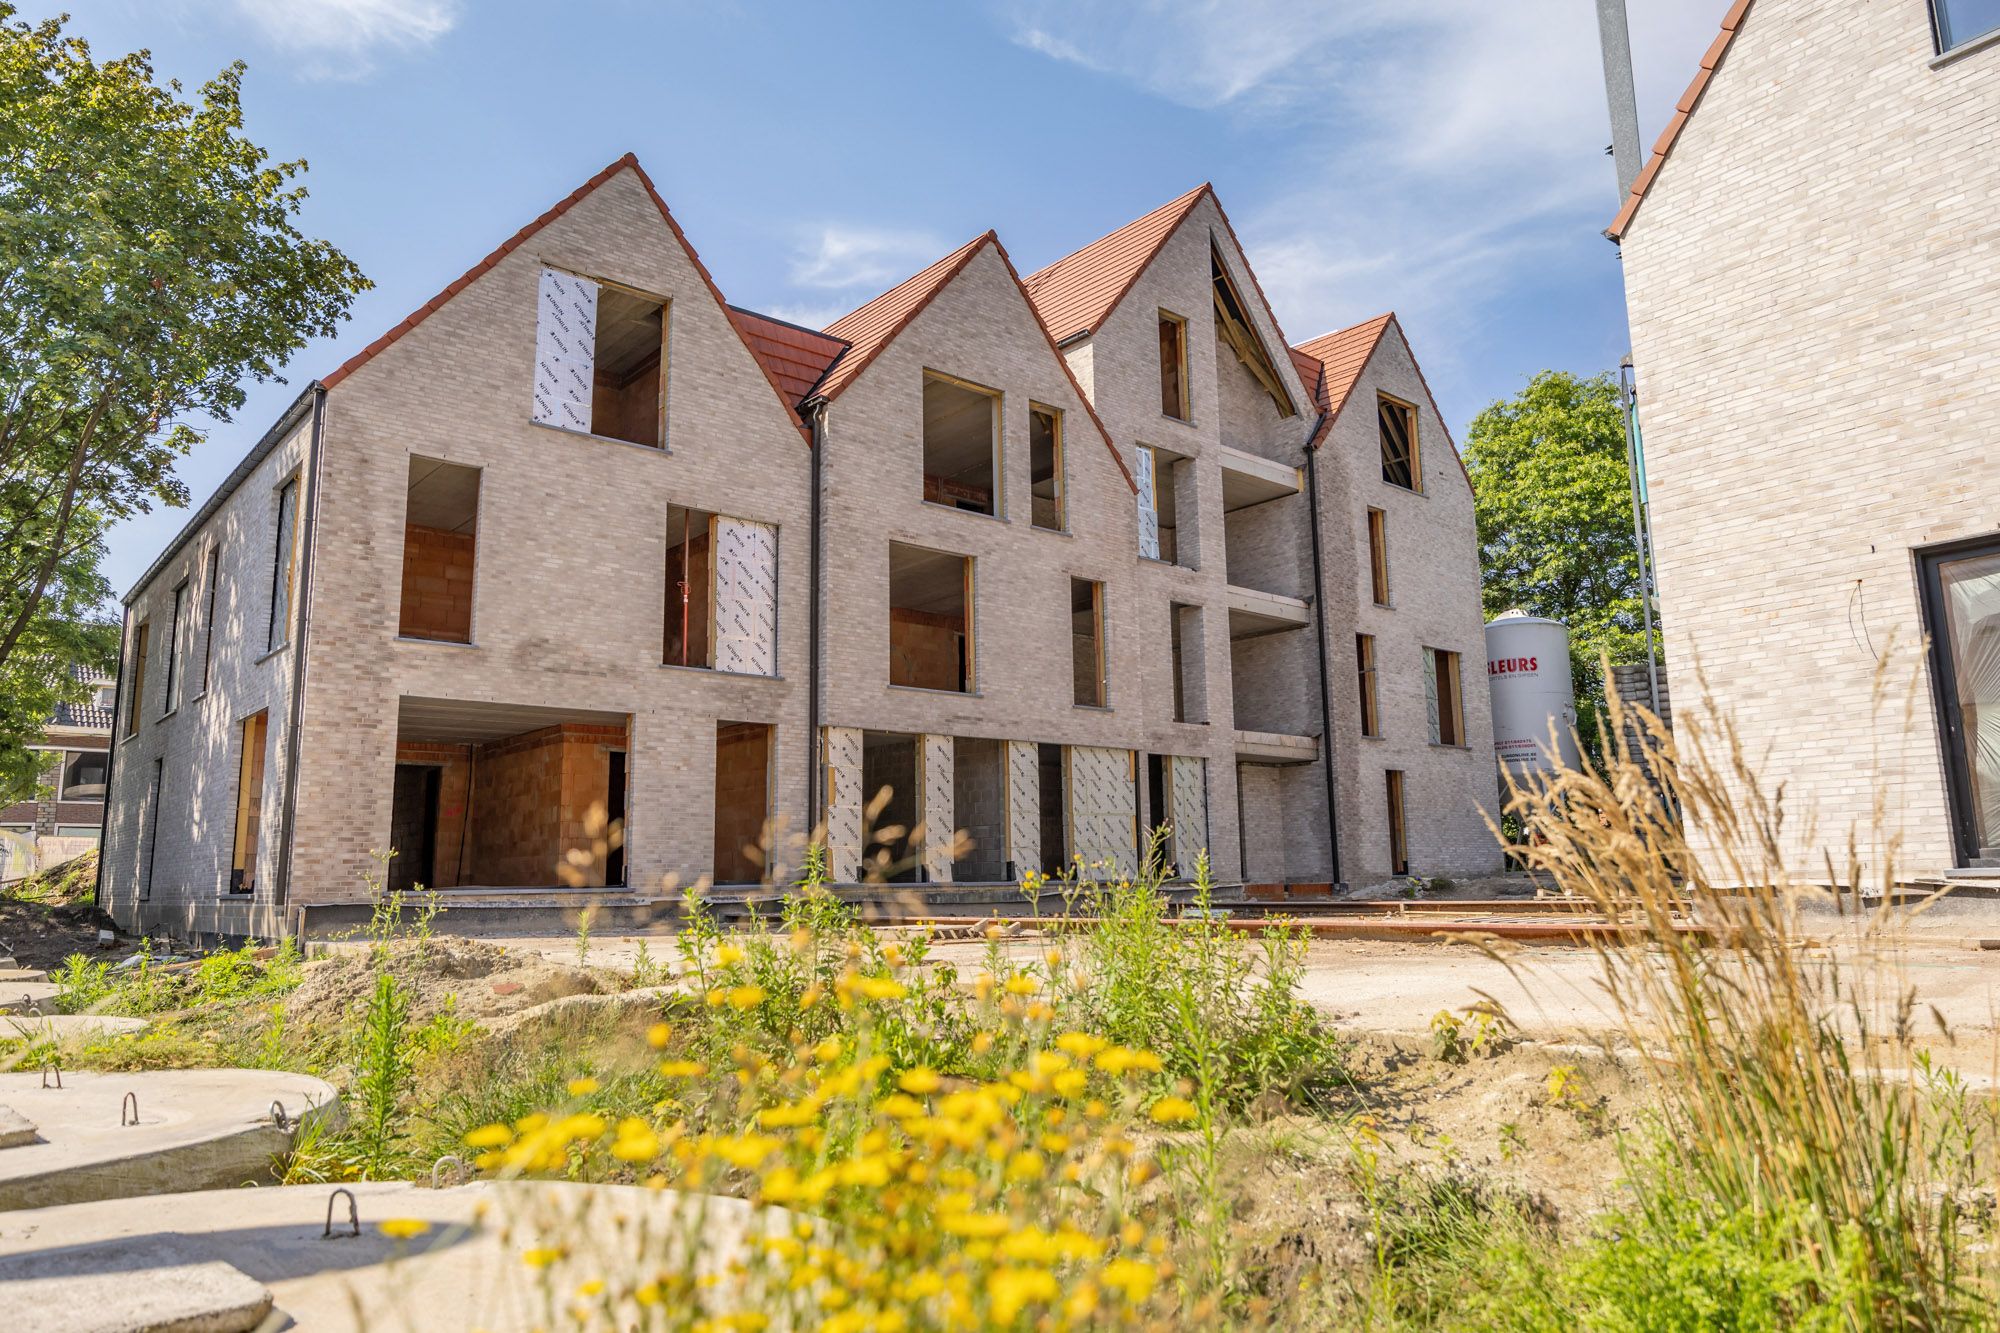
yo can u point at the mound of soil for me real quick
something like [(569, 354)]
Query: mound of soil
[(474, 978), (43, 934)]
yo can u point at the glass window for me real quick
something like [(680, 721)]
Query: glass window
[(1959, 21), (1399, 444), (281, 565), (83, 775), (1966, 624)]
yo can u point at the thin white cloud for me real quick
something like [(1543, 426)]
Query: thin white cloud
[(808, 316), (1438, 151), (837, 257), (345, 38)]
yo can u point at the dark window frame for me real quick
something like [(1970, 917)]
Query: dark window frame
[(1944, 688), (1941, 35)]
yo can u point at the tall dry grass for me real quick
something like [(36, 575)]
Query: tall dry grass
[(1799, 1110)]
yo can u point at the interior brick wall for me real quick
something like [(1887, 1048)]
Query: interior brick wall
[(437, 584), (742, 798)]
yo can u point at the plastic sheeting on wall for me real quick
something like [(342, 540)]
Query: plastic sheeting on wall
[(938, 813), (842, 800), (1103, 807), (1189, 801), (1024, 807), (1149, 503), (565, 350), (746, 597)]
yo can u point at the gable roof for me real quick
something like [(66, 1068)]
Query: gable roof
[(1078, 292), (628, 162), (872, 327), (795, 357), (1341, 356), (1732, 23)]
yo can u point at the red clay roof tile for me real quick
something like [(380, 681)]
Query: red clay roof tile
[(796, 358), (1078, 292), (1340, 357), (1732, 23)]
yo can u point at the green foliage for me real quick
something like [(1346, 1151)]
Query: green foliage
[(149, 265), (383, 1076), (36, 677), (80, 983), (1554, 504), (74, 881)]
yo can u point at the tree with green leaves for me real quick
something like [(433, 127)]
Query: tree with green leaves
[(149, 265), (1554, 505)]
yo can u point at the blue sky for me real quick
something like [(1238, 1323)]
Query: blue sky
[(1442, 158)]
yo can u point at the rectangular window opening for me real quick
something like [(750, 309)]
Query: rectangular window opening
[(742, 802), (1378, 556), (283, 566), (1045, 467), (722, 593), (892, 845), (83, 775), (141, 642), (1398, 421), (1173, 366), (440, 547), (1086, 616), (930, 619), (600, 352), (1962, 21), (149, 843), (1184, 636), (174, 672), (1443, 696), (1399, 847), (249, 803), (1054, 830), (1364, 657), (961, 444), (211, 583)]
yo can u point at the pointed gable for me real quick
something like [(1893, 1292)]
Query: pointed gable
[(871, 328), (1732, 23), (1078, 292), (875, 325), (628, 162), (1340, 357)]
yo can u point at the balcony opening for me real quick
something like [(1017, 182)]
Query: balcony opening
[(961, 444), (440, 547), (930, 619), (630, 347)]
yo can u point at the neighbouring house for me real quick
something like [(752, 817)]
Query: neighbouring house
[(1812, 265), (1056, 562), (66, 815)]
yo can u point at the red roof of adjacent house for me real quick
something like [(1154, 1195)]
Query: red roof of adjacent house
[(795, 358), (875, 325), (514, 242), (1078, 292), (1732, 23)]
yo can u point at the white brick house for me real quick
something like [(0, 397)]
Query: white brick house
[(1812, 266), (580, 546)]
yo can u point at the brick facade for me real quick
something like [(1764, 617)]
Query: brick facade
[(569, 591), (1811, 278)]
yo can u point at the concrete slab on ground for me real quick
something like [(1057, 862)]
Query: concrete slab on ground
[(27, 997), (465, 1272), (10, 976), (56, 1027), (129, 1285), (209, 1128)]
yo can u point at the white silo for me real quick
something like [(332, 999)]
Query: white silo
[(1527, 670)]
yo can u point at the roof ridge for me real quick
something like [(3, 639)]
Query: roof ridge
[(1082, 306), (917, 290), (1732, 23), (1205, 185)]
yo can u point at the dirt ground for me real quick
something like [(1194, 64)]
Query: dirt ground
[(43, 935), (474, 979)]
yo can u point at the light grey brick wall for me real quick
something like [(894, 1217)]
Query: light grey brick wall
[(570, 590), (199, 744), (1811, 281)]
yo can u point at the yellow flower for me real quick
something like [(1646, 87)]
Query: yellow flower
[(541, 1256), (982, 1042), (746, 997), (881, 988), (658, 1035), (1133, 1278), (976, 1226), (640, 1147), (582, 1087), (1082, 1045), (404, 1228), (1022, 984), (1070, 1083), (1012, 1289), (489, 1136), (594, 1287), (921, 1080), (827, 1051), (1173, 1111), (1027, 1165), (745, 1150), (727, 955), (683, 1068)]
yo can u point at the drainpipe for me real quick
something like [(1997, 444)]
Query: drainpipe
[(111, 754), (816, 411), (1319, 633), (281, 883)]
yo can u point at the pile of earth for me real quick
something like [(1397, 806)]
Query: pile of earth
[(474, 979), (50, 915)]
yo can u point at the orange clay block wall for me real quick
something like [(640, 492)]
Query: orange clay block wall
[(437, 585)]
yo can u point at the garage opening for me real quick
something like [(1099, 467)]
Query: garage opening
[(1055, 820), (961, 444), (625, 399), (979, 808), (440, 537), (742, 802), (490, 795), (930, 619), (889, 834)]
